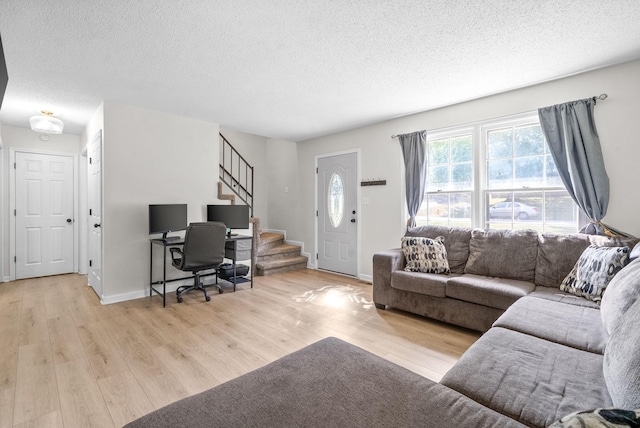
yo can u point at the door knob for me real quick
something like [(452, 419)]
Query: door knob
[(96, 225), (69, 220), (353, 220)]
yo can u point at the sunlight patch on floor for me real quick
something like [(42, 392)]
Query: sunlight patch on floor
[(335, 296)]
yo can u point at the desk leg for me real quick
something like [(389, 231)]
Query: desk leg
[(235, 255), (251, 263), (150, 270), (164, 276)]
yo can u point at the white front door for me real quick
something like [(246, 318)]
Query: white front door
[(94, 187), (44, 214), (337, 217)]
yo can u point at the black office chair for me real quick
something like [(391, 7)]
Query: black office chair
[(203, 249)]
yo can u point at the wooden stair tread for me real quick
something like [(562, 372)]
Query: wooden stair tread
[(279, 249), (271, 264)]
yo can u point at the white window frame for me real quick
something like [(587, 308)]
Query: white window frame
[(479, 131)]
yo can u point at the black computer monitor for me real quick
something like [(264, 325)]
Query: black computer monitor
[(165, 218), (233, 216)]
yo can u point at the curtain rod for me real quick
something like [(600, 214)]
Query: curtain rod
[(594, 98)]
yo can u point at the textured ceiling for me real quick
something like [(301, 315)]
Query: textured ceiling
[(297, 69)]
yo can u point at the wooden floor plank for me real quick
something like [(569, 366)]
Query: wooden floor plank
[(67, 361), (81, 401), (36, 385)]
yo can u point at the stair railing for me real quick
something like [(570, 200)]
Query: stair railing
[(236, 173)]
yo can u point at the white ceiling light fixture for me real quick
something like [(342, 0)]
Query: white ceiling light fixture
[(46, 123)]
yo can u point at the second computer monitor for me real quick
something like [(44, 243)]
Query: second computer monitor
[(233, 216)]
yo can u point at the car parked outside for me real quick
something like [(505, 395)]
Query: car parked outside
[(517, 209)]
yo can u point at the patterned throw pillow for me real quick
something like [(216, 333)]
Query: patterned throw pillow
[(600, 418), (593, 271), (425, 254)]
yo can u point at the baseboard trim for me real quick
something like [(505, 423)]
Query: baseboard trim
[(139, 294)]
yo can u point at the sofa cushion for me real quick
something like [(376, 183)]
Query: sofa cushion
[(621, 293), (593, 271), (635, 252), (496, 293), (558, 254), (509, 254), (532, 380), (622, 361), (425, 254), (580, 328), (556, 295), (610, 417), (430, 284), (456, 241)]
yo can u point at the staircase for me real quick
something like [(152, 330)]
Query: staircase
[(273, 255), (270, 253)]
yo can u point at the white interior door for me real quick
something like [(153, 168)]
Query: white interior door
[(94, 187), (337, 204), (43, 214)]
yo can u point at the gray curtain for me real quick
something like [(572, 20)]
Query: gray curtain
[(573, 140), (414, 148)]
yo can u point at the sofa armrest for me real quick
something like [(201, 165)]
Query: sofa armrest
[(384, 263)]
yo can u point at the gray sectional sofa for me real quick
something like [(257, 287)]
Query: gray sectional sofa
[(545, 353), (490, 270)]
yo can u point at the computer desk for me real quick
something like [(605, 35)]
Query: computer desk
[(234, 239)]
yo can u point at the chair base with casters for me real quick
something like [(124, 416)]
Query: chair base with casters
[(198, 285)]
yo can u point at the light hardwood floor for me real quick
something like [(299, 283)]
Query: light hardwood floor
[(68, 361)]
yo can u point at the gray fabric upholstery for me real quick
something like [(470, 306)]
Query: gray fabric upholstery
[(557, 255), (431, 284), (530, 379), (456, 241), (509, 254), (557, 295), (575, 326), (621, 293), (488, 291), (635, 252), (328, 384), (622, 361)]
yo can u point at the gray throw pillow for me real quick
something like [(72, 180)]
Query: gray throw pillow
[(593, 271), (456, 242), (600, 418), (622, 292), (621, 365), (425, 254)]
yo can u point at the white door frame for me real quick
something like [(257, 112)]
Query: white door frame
[(12, 205), (358, 205)]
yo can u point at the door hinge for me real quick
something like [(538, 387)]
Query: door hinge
[(14, 165), (15, 213), (90, 263), (15, 259), (90, 161), (89, 211), (316, 256), (316, 213), (316, 170)]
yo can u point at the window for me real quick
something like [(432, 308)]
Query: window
[(497, 174)]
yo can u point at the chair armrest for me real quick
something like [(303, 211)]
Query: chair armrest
[(175, 250)]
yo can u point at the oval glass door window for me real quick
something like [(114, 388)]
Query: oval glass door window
[(335, 203)]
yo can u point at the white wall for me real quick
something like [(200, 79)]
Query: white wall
[(149, 158), (24, 138), (382, 220), (282, 161)]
